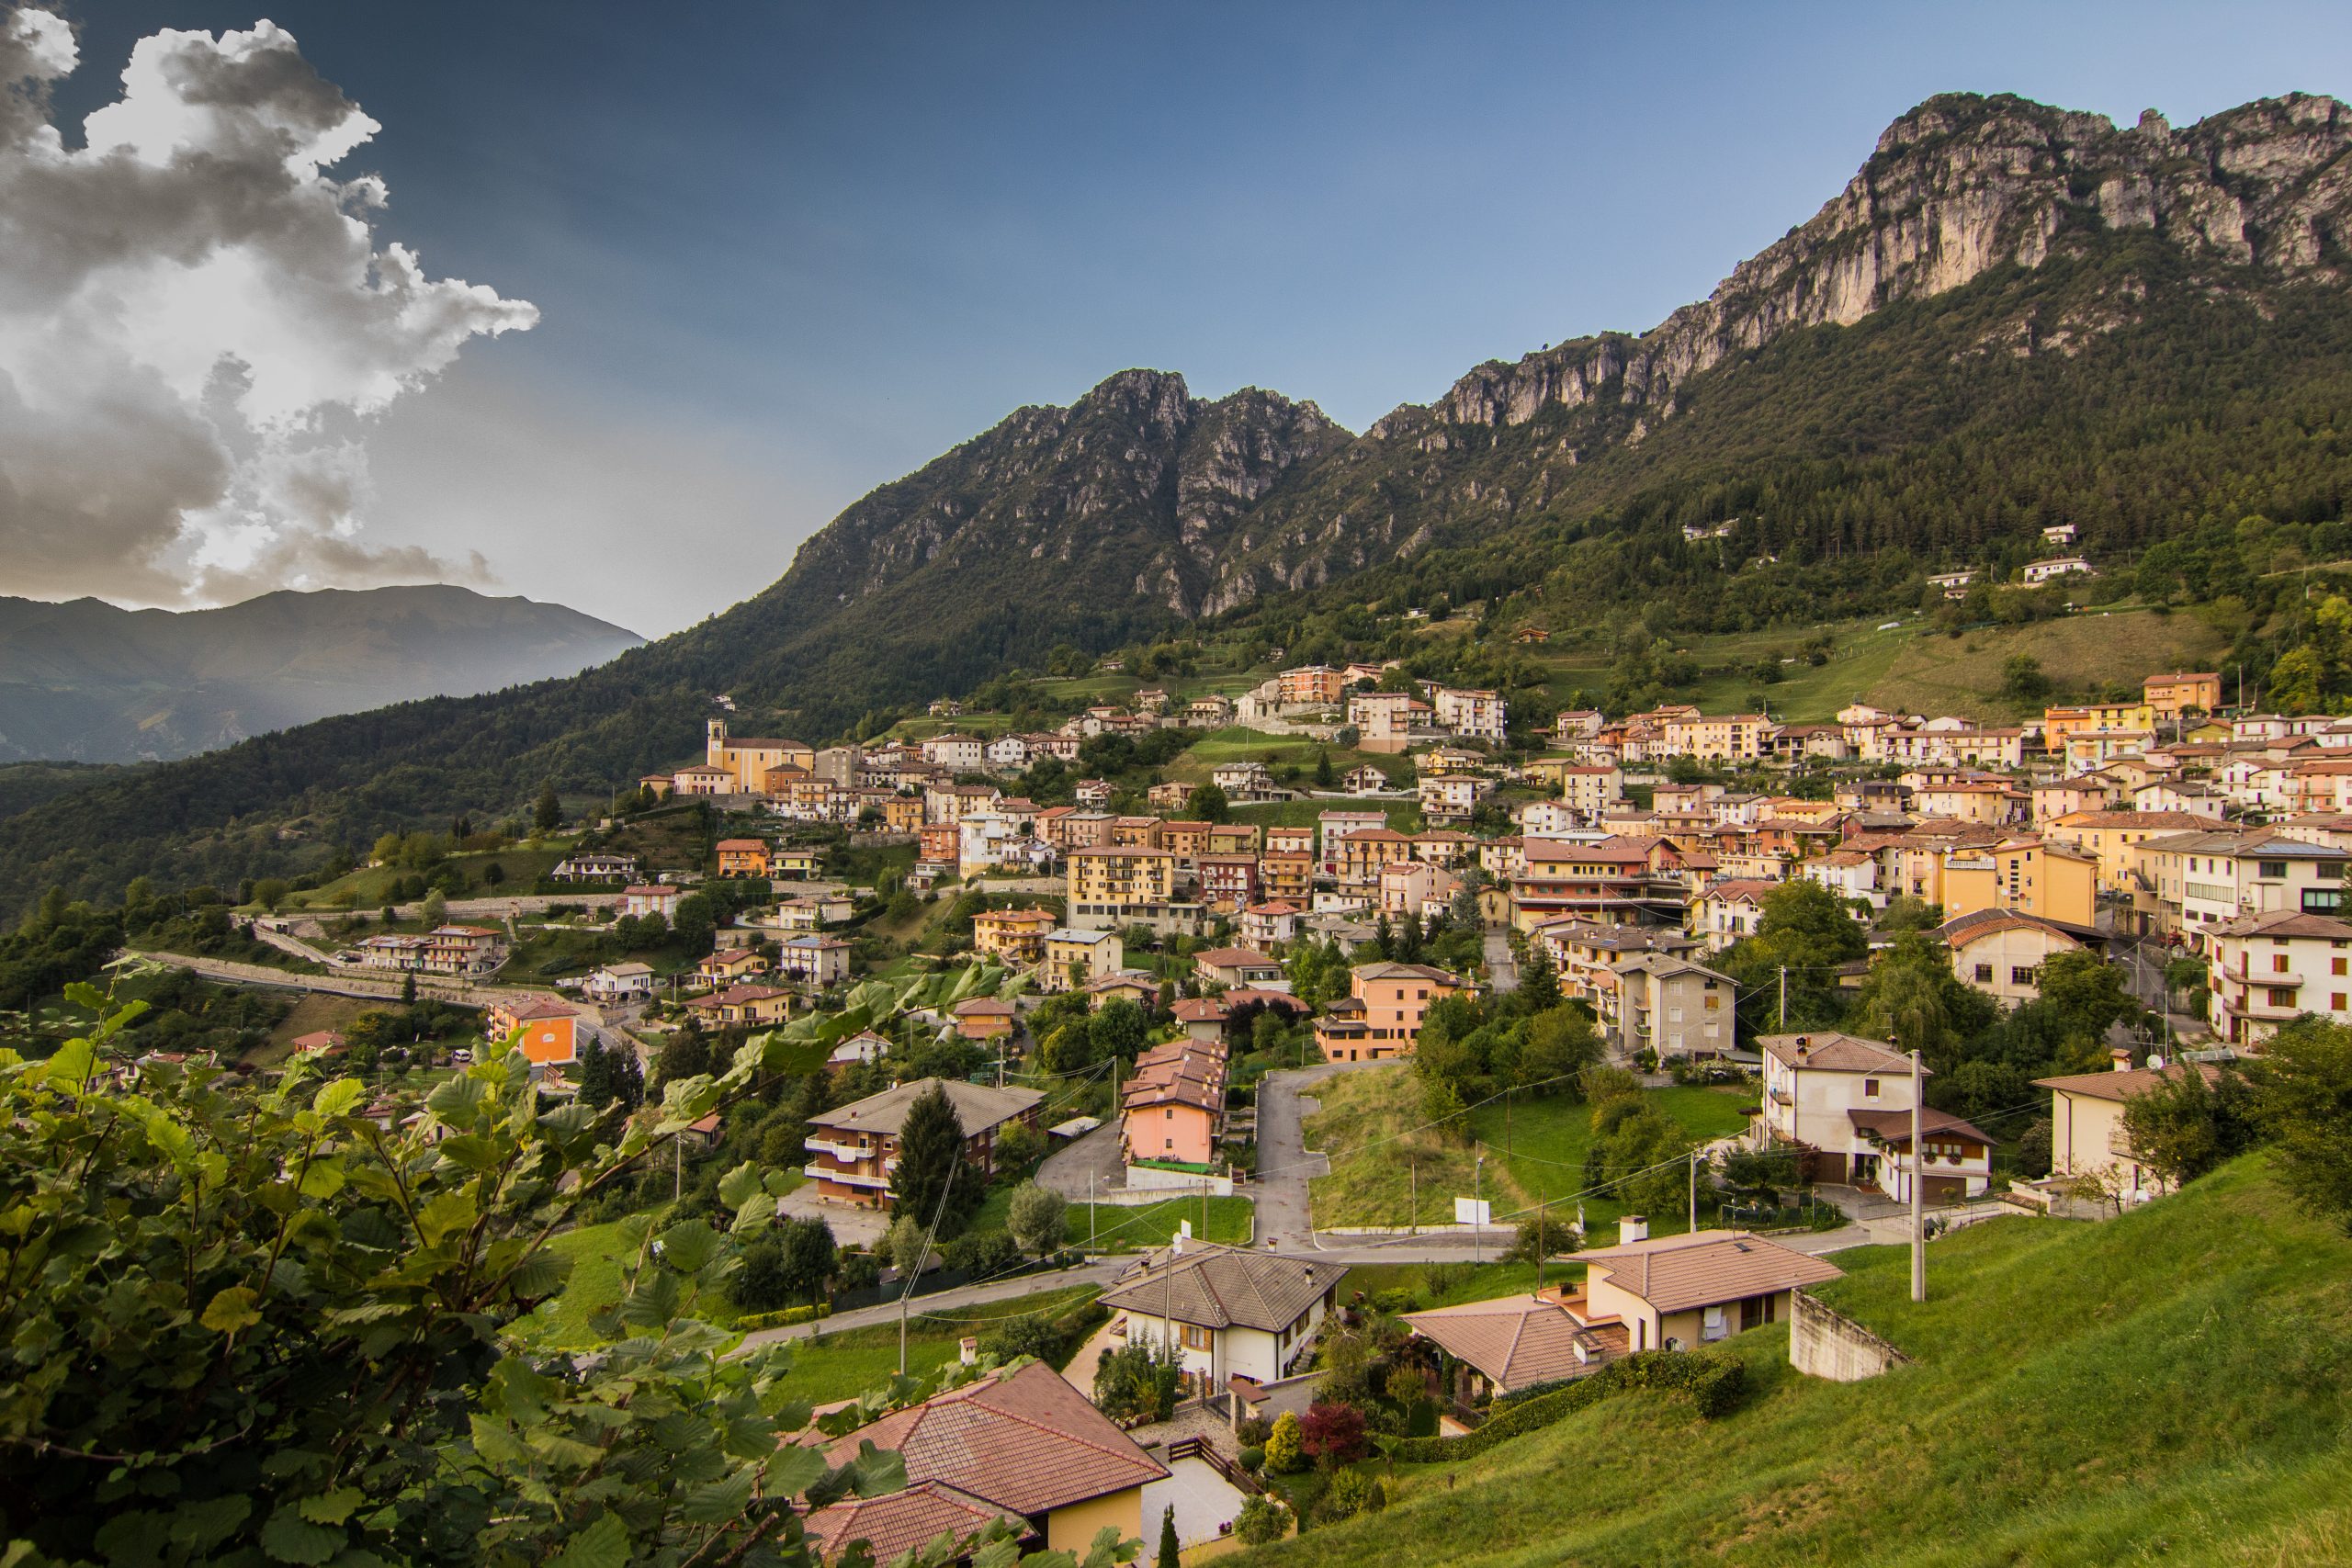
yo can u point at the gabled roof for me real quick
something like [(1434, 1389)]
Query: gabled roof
[(2122, 1086), (1236, 957), (1829, 1051), (2284, 922), (1519, 1341), (1676, 1273), (1893, 1128), (977, 1106), (1026, 1441), (1226, 1287)]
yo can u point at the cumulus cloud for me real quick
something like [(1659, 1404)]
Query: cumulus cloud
[(196, 323)]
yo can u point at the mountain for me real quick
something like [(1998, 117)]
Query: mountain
[(88, 682), (2012, 315)]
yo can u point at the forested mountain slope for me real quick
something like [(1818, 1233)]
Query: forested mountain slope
[(2013, 315)]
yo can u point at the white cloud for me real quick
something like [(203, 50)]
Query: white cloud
[(197, 322)]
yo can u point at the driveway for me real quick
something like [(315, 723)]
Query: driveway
[(851, 1226), (1502, 970), (1284, 1167), (1085, 1167)]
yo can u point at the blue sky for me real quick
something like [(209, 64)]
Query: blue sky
[(785, 252)]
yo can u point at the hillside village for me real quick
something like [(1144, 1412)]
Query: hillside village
[(1636, 1004)]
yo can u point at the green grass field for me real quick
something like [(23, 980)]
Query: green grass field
[(1118, 1229), (1543, 1141), (847, 1364), (2168, 1390), (367, 888)]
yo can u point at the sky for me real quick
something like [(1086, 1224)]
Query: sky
[(689, 279)]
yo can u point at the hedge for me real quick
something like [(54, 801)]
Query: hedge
[(755, 1320), (1716, 1383)]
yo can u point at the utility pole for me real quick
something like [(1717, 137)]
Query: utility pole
[(1477, 1211), (1090, 1213), (1784, 999), (1413, 1186), (1918, 1220), (1694, 1189)]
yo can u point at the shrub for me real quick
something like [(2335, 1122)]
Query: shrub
[(750, 1321), (1253, 1460), (1332, 1433), (1352, 1492), (982, 1253), (1285, 1452), (1716, 1383), (1261, 1521)]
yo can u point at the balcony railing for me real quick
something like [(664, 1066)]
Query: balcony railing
[(846, 1177)]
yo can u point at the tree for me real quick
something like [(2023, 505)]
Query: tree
[(304, 1357), (2182, 1126), (1038, 1218), (434, 910), (1332, 1433), (1019, 1146), (695, 924), (809, 1257), (2022, 680), (1139, 1378), (684, 1053), (931, 1179), (904, 1244), (1262, 1521), (1170, 1554), (2086, 997), (1560, 1043), (271, 892), (1285, 1448), (1118, 1029), (1210, 804), (1539, 980), (546, 812), (493, 874), (1324, 777), (2302, 1101)]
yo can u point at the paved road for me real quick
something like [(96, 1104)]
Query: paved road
[(1101, 1272), (1096, 1155), (367, 988), (1502, 970), (1284, 1167)]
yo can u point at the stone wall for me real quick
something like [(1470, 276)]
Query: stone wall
[(1824, 1343)]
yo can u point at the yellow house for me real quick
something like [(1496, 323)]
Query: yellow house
[(1109, 884), (1017, 936), (1073, 960), (2110, 836), (1024, 1446), (2171, 695), (2095, 718), (2034, 877), (742, 857)]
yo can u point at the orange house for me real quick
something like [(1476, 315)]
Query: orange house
[(984, 1017), (1381, 1017), (1173, 1110), (549, 1042), (742, 857)]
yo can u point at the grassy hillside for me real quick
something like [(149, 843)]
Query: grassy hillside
[(2170, 1388)]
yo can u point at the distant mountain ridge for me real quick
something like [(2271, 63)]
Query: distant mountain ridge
[(2013, 314), (86, 681)]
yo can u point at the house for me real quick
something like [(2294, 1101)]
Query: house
[(699, 780), (1227, 882), (1173, 795), (2110, 836), (2267, 969), (742, 857), (1381, 1016), (319, 1042), (1015, 936), (1590, 789), (1140, 986), (1110, 886), (547, 1033), (729, 964), (1514, 1343), (2169, 696), (618, 983), (1203, 1018), (1673, 1007), (2087, 1136), (751, 1006), (1268, 924), (647, 898), (1729, 910), (856, 1146), (1811, 1083), (1363, 779), (2001, 951), (1679, 1292), (817, 960), (1238, 967), (2031, 875), (1958, 1160), (1173, 1109), (956, 753), (2058, 566), (1072, 960), (793, 864), (1024, 1446), (1225, 1311), (984, 1017), (1451, 797), (864, 1047), (594, 867)]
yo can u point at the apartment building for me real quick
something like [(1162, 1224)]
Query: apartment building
[(2189, 882), (1472, 715), (1072, 960), (1110, 886), (1673, 1007), (2265, 970), (856, 1147), (1731, 738), (2169, 696), (1380, 1017)]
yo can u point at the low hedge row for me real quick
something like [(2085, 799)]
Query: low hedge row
[(753, 1320), (1716, 1383)]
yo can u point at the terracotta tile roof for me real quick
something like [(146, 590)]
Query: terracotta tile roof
[(2122, 1086), (899, 1522), (1233, 957), (1676, 1273), (2280, 922), (1829, 1051), (1224, 1287), (1893, 1127), (1517, 1341)]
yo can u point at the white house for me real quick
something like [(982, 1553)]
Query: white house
[(618, 983), (650, 899), (1226, 1310)]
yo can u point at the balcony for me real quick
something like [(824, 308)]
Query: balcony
[(848, 1153), (845, 1177)]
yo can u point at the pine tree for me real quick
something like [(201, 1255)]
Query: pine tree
[(931, 1161), (546, 812), (1169, 1552), (595, 1074)]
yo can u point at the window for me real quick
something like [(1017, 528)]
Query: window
[(1870, 1089), (2335, 966), (2274, 869), (2335, 1002), (2282, 996), (1984, 973), (1197, 1337)]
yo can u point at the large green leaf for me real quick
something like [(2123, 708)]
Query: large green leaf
[(604, 1544)]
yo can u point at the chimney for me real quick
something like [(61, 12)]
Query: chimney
[(2123, 1059), (969, 1347), (1632, 1228)]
